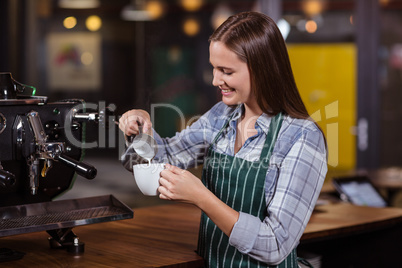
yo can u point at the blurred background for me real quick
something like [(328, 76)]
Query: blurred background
[(346, 56)]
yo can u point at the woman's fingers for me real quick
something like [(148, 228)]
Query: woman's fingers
[(169, 185), (146, 124), (162, 196), (130, 121), (174, 169), (164, 182), (128, 124), (163, 189)]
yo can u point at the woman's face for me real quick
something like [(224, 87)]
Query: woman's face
[(231, 75)]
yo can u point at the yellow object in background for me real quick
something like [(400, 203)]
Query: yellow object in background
[(326, 77)]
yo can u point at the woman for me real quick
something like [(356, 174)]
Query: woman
[(264, 159)]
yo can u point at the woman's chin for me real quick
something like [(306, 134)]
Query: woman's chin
[(229, 101)]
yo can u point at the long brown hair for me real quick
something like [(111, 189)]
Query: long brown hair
[(256, 39)]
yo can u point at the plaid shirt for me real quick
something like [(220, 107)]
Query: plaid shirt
[(293, 181)]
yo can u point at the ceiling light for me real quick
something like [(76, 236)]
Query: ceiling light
[(284, 27), (191, 27), (79, 4), (154, 8), (313, 7), (311, 26), (191, 5), (93, 23), (69, 22), (141, 10), (220, 14)]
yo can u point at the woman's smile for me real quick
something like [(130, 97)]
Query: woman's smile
[(226, 91)]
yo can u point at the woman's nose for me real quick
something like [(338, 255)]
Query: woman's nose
[(217, 79)]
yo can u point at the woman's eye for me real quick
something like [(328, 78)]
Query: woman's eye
[(221, 70)]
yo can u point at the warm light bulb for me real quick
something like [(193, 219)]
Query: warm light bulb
[(93, 23), (79, 4), (70, 22), (221, 13), (191, 5), (154, 8), (191, 27), (384, 2), (313, 7), (311, 26)]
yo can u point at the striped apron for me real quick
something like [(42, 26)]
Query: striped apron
[(240, 184)]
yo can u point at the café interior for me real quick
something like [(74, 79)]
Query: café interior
[(113, 56)]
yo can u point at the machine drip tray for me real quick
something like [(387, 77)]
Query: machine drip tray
[(61, 214)]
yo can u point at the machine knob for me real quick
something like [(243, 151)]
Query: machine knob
[(7, 179)]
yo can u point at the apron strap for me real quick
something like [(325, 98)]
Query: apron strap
[(272, 135)]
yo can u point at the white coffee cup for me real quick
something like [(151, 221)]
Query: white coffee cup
[(147, 177)]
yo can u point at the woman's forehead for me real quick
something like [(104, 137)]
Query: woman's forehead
[(219, 54)]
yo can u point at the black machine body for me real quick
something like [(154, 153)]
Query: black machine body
[(40, 163), (41, 145)]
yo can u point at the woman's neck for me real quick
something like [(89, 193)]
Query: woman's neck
[(246, 126), (249, 112)]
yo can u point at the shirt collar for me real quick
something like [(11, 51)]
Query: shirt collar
[(236, 115), (238, 111), (263, 121)]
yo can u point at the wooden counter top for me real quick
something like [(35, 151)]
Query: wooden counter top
[(166, 236), (335, 220), (160, 236)]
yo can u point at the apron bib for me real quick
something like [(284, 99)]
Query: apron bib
[(241, 185)]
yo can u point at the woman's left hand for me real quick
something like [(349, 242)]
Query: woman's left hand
[(180, 185)]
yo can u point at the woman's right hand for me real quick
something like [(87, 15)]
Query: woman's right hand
[(130, 121)]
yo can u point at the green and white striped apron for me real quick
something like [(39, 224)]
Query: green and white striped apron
[(240, 184)]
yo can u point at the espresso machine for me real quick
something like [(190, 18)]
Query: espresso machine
[(41, 151)]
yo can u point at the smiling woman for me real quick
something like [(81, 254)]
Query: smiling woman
[(264, 161)]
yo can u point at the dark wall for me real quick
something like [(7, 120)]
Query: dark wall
[(3, 34)]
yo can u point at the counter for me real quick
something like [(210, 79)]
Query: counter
[(166, 236)]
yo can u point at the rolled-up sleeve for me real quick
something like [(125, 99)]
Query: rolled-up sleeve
[(291, 197)]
